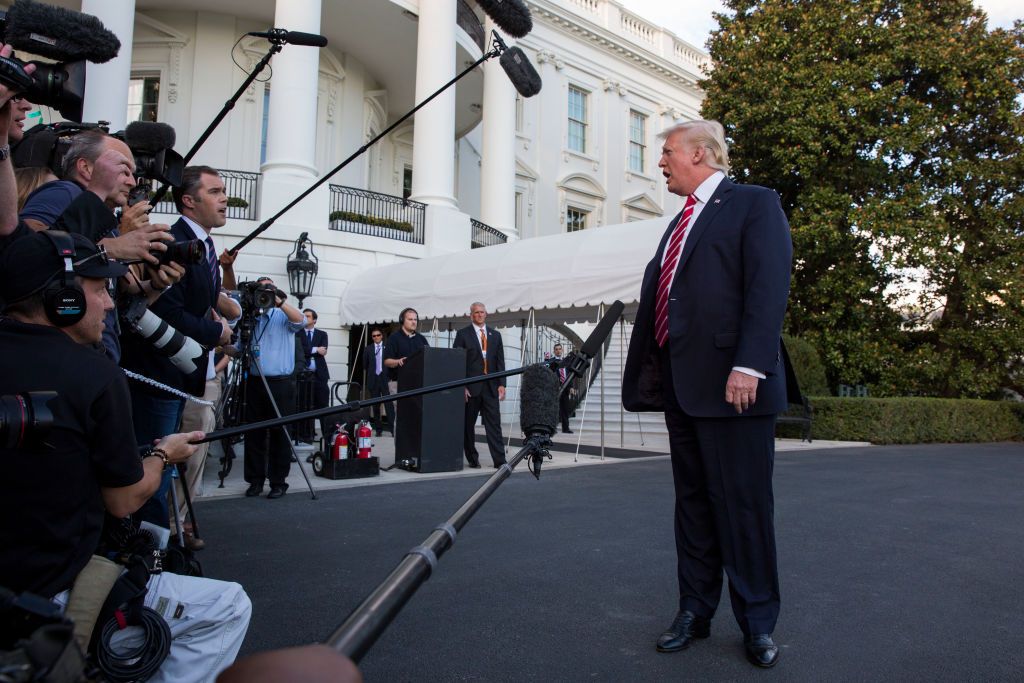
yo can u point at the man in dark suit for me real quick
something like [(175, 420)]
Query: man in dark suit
[(314, 348), (565, 397), (377, 381), (706, 350), (484, 354), (190, 306)]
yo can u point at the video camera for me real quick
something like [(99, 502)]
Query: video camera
[(71, 38), (257, 297)]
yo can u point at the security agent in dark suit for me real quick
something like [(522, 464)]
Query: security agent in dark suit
[(377, 380), (484, 354), (314, 348), (565, 397), (706, 350)]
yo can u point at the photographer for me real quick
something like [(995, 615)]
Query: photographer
[(267, 454), (12, 114), (54, 490)]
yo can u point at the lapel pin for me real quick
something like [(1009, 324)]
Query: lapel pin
[(718, 201)]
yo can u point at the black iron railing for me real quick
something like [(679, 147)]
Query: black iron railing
[(485, 236), (243, 190), (467, 21), (375, 214)]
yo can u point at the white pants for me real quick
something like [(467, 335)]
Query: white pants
[(208, 620)]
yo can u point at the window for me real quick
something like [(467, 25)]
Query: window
[(575, 219), (577, 119), (263, 127), (637, 136), (143, 97), (406, 182)]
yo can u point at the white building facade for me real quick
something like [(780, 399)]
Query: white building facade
[(477, 165)]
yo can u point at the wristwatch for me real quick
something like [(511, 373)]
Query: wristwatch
[(5, 152)]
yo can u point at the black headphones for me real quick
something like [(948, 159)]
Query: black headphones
[(63, 298)]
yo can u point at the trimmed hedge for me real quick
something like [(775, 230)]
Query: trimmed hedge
[(916, 420), (352, 216)]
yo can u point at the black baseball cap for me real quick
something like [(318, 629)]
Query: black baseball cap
[(31, 262)]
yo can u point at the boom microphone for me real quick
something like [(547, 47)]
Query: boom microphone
[(603, 329), (148, 136), (519, 70), (511, 16), (58, 33), (538, 404), (279, 35)]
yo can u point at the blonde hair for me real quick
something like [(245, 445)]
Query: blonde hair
[(707, 134), (29, 179)]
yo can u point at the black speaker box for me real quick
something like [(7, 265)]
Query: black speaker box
[(429, 432)]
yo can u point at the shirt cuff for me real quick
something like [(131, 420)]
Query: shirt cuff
[(754, 373)]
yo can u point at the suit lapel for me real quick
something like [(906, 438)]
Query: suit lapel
[(704, 220)]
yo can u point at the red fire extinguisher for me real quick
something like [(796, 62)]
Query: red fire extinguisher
[(339, 447), (365, 444)]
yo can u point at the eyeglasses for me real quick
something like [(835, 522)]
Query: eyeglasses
[(101, 255), (376, 336)]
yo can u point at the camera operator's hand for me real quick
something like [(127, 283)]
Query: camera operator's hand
[(7, 93), (227, 269), (177, 446), (137, 245), (225, 332), (135, 217), (279, 297), (166, 275)]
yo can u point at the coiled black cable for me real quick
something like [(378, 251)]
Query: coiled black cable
[(140, 663)]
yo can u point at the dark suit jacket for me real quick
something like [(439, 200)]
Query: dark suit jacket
[(370, 365), (186, 307), (466, 338), (319, 362), (725, 308)]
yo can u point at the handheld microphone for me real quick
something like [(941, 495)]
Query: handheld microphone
[(538, 409), (511, 16), (58, 33), (280, 35)]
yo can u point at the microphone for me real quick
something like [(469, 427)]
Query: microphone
[(58, 33), (280, 35), (519, 70), (147, 136), (603, 329), (511, 16), (538, 410)]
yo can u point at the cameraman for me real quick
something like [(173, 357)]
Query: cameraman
[(53, 493), (267, 454)]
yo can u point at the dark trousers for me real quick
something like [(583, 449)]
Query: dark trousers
[(267, 453), (563, 410), (378, 386), (722, 471), (486, 404), (154, 418), (322, 399)]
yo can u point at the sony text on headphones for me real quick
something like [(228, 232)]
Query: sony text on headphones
[(63, 298)]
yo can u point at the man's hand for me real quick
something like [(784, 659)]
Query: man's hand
[(7, 93), (137, 245), (166, 275), (134, 217), (322, 350), (467, 393), (501, 393), (227, 258), (177, 446), (225, 331), (741, 390)]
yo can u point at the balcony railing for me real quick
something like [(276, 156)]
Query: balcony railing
[(485, 236), (467, 21), (242, 189), (377, 215)]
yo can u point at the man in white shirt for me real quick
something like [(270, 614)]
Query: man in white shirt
[(485, 354)]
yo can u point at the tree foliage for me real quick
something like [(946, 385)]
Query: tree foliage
[(892, 129)]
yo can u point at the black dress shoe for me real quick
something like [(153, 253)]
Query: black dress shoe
[(761, 650), (567, 431), (686, 627), (253, 490), (475, 465), (275, 492)]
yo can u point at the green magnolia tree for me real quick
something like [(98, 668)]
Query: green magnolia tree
[(893, 133)]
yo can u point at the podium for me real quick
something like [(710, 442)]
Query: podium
[(430, 432)]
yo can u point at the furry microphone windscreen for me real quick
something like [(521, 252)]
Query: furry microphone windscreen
[(145, 136), (511, 16), (58, 33), (538, 401), (519, 70)]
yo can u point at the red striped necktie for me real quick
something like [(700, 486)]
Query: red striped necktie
[(668, 268)]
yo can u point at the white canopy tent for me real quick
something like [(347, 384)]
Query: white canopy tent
[(560, 278)]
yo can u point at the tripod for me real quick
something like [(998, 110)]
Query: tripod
[(235, 401)]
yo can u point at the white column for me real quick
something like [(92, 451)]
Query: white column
[(291, 128), (106, 85), (498, 157), (433, 150)]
